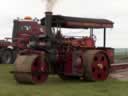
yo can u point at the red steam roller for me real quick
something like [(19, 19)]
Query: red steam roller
[(69, 57)]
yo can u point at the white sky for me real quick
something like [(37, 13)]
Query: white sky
[(115, 10)]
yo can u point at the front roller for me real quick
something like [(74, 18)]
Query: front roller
[(31, 69), (96, 64)]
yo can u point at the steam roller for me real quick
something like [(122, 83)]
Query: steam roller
[(31, 68), (68, 57)]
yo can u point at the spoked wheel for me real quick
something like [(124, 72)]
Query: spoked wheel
[(39, 70), (31, 69), (96, 65)]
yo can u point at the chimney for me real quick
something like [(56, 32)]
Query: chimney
[(48, 24)]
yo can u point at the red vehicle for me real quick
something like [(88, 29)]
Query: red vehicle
[(23, 29), (69, 58)]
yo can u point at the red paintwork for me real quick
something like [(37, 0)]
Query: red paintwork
[(87, 24), (25, 35), (100, 73), (22, 37), (68, 64), (39, 65), (110, 53), (87, 42)]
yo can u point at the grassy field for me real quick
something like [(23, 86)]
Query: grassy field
[(57, 87)]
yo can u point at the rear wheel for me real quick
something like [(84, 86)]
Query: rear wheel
[(96, 65), (7, 56)]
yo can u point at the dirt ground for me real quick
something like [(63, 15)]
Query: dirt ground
[(121, 75)]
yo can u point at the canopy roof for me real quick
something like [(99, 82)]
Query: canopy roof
[(75, 22)]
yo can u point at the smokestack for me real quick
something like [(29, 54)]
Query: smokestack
[(48, 24)]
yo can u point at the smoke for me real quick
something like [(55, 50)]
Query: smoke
[(50, 4)]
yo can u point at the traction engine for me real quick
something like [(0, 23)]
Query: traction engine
[(68, 57)]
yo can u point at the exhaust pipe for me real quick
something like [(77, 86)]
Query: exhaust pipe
[(51, 40), (48, 24)]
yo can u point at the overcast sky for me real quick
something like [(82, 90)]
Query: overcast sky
[(115, 10)]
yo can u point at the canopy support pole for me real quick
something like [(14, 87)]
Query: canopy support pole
[(104, 43)]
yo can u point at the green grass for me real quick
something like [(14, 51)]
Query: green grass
[(57, 87)]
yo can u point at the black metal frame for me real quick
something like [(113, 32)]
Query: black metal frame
[(104, 36), (104, 39), (91, 32)]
